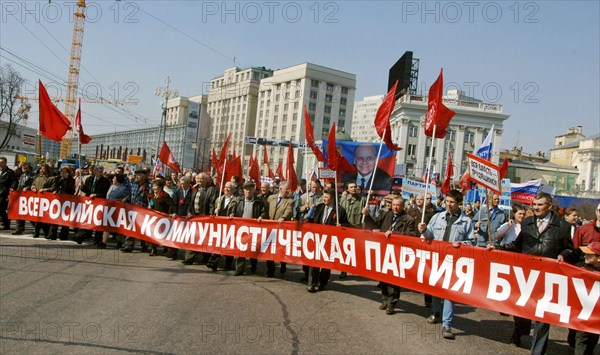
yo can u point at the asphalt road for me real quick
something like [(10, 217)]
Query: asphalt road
[(57, 297)]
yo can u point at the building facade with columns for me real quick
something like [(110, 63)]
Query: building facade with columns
[(574, 149), (467, 130)]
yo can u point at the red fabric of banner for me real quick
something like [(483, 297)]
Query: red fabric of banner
[(531, 287)]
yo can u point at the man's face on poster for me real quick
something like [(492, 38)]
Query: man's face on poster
[(364, 159)]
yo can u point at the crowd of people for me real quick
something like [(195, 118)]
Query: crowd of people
[(538, 229)]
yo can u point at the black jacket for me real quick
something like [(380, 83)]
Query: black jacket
[(7, 180), (259, 208), (405, 225), (208, 195), (550, 243), (64, 186), (181, 205), (331, 219), (100, 189)]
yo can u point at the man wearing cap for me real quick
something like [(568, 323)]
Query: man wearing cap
[(249, 206), (141, 193), (543, 234), (203, 204), (584, 342), (96, 185)]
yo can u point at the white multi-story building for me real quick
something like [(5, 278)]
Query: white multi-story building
[(328, 95), (466, 132), (576, 150), (363, 118), (232, 103)]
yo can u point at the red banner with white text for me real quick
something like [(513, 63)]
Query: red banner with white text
[(531, 287)]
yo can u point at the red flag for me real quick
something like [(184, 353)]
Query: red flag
[(83, 138), (382, 119), (449, 175), (310, 138), (332, 153), (214, 160), (437, 113), (279, 171), (266, 161), (167, 158), (234, 155), (291, 177), (233, 168), (504, 168), (53, 124), (254, 171), (224, 149)]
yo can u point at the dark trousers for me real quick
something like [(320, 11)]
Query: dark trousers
[(64, 232), (240, 265), (130, 243), (216, 258), (3, 214), (318, 276), (584, 342), (522, 327), (271, 267), (197, 256), (390, 294), (20, 225), (39, 226)]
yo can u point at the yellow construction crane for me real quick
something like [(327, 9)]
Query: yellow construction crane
[(73, 82)]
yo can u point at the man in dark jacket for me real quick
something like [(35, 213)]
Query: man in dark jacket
[(543, 234), (23, 184), (181, 205), (64, 184), (96, 185), (396, 221), (203, 204), (325, 213), (7, 180), (249, 206)]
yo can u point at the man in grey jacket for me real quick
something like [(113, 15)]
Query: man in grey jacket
[(454, 227)]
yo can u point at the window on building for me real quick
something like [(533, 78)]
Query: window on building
[(296, 105), (314, 83), (327, 109), (326, 120), (341, 123), (329, 87), (328, 98), (297, 94), (313, 94), (411, 150), (342, 112), (469, 137), (343, 101), (286, 106), (277, 97), (256, 75), (276, 108), (344, 90), (413, 131), (312, 106), (285, 117)]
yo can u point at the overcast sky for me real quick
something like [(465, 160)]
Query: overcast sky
[(540, 60)]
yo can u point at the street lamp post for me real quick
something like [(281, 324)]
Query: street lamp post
[(167, 93)]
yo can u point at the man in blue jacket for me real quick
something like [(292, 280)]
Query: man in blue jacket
[(454, 227)]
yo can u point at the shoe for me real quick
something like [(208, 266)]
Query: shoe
[(37, 235), (252, 269), (174, 256), (389, 311), (119, 245), (79, 240), (312, 289), (428, 304), (447, 333), (214, 266), (187, 262), (238, 273), (101, 245), (343, 275), (515, 343), (433, 319), (271, 274), (127, 250), (153, 252), (17, 232), (383, 306), (283, 269), (321, 287)]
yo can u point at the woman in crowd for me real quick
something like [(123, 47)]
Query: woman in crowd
[(43, 182), (509, 231)]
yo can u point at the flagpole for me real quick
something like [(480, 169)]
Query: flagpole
[(374, 171), (223, 177), (428, 173), (79, 155), (489, 224), (337, 206)]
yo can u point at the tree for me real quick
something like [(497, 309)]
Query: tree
[(13, 106)]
